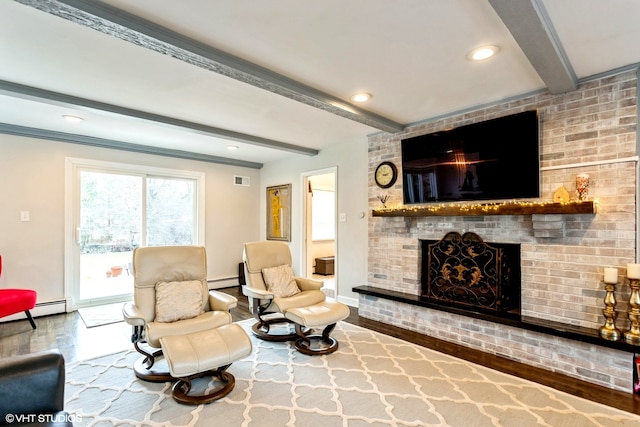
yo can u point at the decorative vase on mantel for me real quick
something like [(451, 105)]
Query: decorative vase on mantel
[(383, 199)]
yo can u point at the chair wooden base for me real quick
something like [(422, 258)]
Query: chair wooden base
[(304, 342), (182, 387), (262, 328), (156, 373), (146, 367)]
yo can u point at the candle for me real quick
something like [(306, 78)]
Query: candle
[(582, 186), (610, 275), (633, 271)]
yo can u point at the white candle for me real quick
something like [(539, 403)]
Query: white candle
[(610, 275), (633, 271)]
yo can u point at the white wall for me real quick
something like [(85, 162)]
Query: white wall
[(32, 173), (352, 177)]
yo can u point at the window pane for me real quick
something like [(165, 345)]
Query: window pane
[(323, 215), (110, 217), (170, 211)]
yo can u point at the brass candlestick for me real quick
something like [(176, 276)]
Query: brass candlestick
[(609, 331), (632, 336)]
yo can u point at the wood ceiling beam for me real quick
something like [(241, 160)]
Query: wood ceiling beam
[(91, 141), (528, 22), (115, 22), (60, 99)]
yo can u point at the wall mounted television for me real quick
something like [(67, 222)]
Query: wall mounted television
[(497, 159)]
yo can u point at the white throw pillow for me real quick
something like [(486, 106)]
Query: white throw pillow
[(280, 281), (178, 300)]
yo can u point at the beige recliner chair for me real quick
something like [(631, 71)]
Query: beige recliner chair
[(269, 288), (175, 315)]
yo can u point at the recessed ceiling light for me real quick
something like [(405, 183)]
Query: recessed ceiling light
[(482, 53), (232, 147), (72, 119), (360, 97)]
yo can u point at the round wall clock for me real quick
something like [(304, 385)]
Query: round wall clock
[(386, 174)]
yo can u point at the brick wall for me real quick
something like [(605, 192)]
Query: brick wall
[(591, 130)]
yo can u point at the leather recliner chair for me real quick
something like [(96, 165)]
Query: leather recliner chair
[(177, 265), (177, 319), (267, 307)]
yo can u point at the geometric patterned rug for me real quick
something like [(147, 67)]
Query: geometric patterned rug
[(372, 380)]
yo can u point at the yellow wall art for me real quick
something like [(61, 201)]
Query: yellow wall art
[(279, 212)]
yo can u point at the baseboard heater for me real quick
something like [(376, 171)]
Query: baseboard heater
[(41, 309), (225, 282)]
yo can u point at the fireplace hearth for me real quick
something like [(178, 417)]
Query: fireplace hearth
[(465, 272)]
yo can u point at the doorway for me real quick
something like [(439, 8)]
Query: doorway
[(320, 231)]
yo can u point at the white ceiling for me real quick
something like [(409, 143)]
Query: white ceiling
[(410, 54)]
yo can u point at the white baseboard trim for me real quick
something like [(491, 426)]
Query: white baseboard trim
[(351, 302), (41, 309)]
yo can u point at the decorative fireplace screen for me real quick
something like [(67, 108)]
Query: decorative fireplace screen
[(464, 271)]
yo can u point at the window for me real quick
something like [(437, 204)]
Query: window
[(171, 211), (323, 222)]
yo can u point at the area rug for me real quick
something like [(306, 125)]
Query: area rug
[(101, 315), (372, 380)]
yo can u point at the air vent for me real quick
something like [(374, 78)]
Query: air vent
[(241, 180)]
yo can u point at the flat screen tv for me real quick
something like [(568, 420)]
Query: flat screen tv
[(496, 159)]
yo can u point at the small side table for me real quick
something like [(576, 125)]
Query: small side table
[(324, 265)]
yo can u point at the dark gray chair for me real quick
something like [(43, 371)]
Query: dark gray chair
[(32, 390)]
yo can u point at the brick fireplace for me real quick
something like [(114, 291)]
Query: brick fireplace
[(591, 130)]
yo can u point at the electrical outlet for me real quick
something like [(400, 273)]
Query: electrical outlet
[(24, 216), (343, 217)]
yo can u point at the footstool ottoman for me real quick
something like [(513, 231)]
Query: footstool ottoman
[(327, 314), (204, 353)]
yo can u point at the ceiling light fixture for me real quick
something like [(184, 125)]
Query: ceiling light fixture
[(72, 119), (360, 97), (482, 53), (232, 147)]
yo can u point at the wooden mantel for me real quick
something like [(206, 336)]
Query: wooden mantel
[(478, 209)]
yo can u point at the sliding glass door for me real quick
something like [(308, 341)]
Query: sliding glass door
[(111, 212), (116, 208)]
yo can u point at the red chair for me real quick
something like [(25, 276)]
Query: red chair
[(14, 301)]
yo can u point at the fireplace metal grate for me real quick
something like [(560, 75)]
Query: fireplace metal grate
[(464, 271)]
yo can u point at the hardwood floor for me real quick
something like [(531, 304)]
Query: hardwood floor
[(75, 341)]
